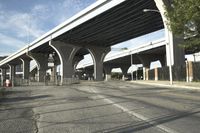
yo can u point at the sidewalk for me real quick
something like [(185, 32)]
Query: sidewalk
[(176, 84)]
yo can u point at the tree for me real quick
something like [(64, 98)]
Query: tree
[(184, 19)]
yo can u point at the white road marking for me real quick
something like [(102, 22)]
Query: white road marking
[(137, 115)]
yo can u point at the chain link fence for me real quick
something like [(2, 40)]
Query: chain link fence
[(178, 73), (151, 74), (46, 81), (196, 71)]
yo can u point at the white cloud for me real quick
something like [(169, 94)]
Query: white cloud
[(9, 45), (11, 42), (41, 12), (36, 22), (24, 25), (68, 8), (41, 18), (76, 4), (21, 24), (39, 8)]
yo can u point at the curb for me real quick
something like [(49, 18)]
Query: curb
[(165, 85)]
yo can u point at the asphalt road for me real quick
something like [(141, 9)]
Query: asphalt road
[(111, 107)]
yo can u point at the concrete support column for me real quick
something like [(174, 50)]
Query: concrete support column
[(147, 74), (42, 64), (3, 76), (66, 53), (146, 65), (108, 77), (53, 73), (107, 69), (144, 73), (26, 68), (76, 60), (41, 75), (162, 59), (175, 54), (98, 55), (89, 73), (156, 74), (124, 71), (189, 71), (12, 74)]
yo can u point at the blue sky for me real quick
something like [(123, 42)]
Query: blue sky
[(22, 21)]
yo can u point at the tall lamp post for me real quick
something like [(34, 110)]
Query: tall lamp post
[(169, 47), (131, 65)]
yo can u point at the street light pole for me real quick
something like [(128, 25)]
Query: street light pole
[(131, 65), (170, 62), (169, 48)]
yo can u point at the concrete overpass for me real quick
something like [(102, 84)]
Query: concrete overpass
[(94, 30), (143, 54)]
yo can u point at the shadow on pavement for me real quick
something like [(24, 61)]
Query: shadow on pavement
[(18, 99), (148, 124)]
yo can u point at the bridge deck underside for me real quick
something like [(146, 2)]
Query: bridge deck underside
[(121, 23), (118, 24)]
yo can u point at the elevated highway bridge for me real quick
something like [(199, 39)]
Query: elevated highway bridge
[(143, 54), (94, 30)]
